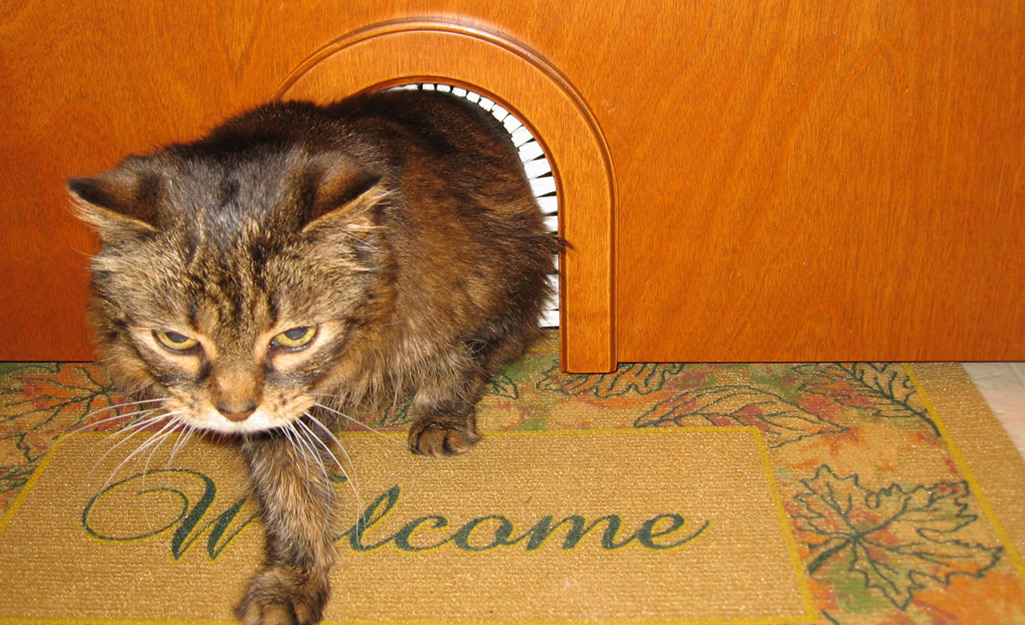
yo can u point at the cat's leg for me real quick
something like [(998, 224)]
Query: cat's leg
[(299, 508), (445, 405), (445, 409)]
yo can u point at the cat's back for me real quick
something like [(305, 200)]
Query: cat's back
[(379, 129), (447, 123)]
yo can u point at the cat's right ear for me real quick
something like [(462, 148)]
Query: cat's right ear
[(117, 202), (343, 195)]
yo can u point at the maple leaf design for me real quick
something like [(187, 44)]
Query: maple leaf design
[(779, 420), (883, 389), (504, 386), (38, 403), (897, 540), (636, 378)]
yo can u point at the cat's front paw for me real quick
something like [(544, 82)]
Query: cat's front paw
[(441, 437), (283, 596)]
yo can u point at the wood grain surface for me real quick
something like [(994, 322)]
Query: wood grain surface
[(841, 181), (787, 180)]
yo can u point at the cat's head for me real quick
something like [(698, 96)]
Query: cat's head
[(232, 283)]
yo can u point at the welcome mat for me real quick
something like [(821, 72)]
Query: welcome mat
[(744, 494), (537, 525)]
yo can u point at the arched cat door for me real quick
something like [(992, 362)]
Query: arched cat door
[(396, 53)]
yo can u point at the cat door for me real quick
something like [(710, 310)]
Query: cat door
[(536, 166), (406, 52)]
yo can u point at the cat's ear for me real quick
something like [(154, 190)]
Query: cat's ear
[(119, 201), (343, 195)]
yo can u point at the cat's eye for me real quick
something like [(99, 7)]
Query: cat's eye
[(175, 342), (296, 338)]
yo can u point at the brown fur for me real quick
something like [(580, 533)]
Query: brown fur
[(399, 225)]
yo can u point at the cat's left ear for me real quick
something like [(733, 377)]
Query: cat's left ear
[(343, 195), (119, 201)]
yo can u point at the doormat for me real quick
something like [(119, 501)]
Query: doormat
[(742, 494)]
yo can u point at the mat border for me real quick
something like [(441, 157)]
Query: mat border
[(962, 447), (31, 482)]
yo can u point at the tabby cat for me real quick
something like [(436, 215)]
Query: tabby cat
[(305, 261)]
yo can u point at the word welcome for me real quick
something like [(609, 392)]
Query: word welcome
[(660, 532), (378, 526)]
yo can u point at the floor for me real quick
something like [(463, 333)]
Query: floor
[(1003, 386)]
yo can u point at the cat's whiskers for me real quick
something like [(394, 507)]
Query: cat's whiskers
[(303, 448), (127, 415), (137, 428), (357, 422), (125, 405), (156, 438), (116, 417), (350, 475), (134, 429), (145, 420), (154, 443), (183, 438), (307, 451), (341, 447), (316, 437), (310, 446)]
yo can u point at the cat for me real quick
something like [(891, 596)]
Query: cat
[(302, 261)]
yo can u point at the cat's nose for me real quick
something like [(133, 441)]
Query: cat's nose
[(241, 415)]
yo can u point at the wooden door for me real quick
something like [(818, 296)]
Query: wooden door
[(840, 180), (781, 180)]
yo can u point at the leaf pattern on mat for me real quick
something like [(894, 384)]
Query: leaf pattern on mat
[(632, 378), (38, 403), (394, 415), (884, 389), (503, 386), (779, 420), (895, 539)]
